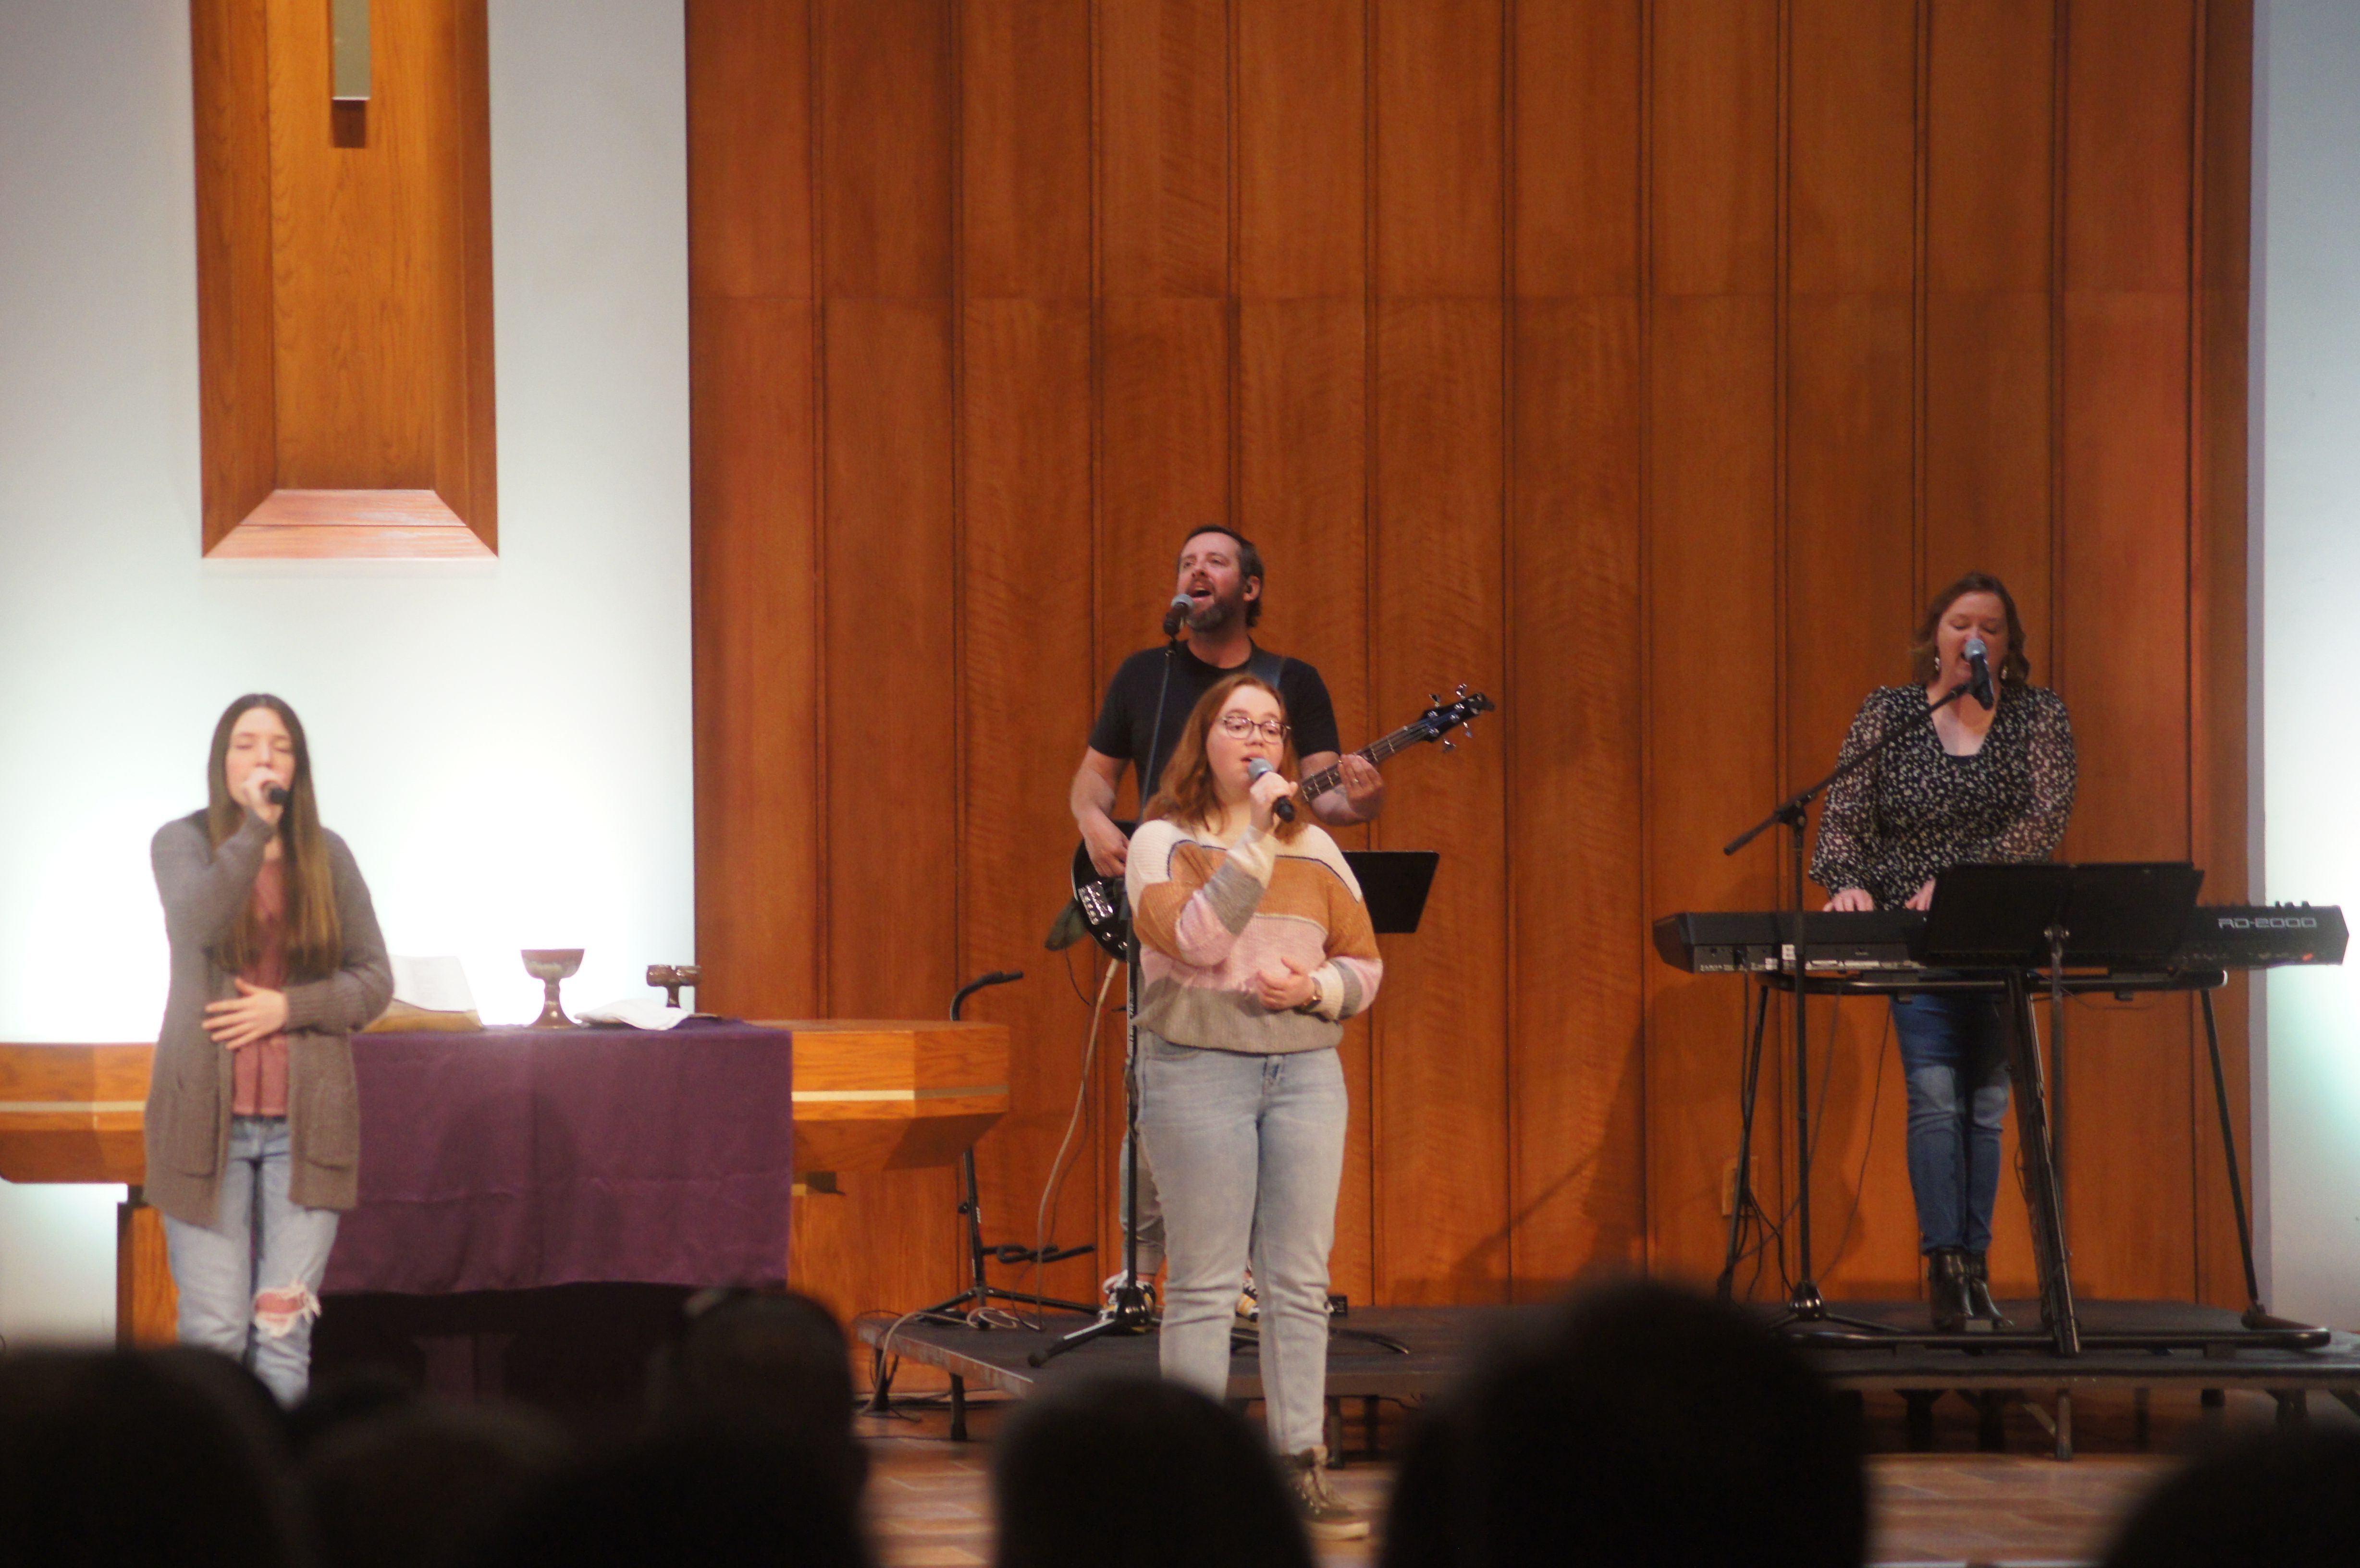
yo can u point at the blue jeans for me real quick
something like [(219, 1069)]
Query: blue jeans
[(1249, 1154), (250, 1282), (1954, 1060)]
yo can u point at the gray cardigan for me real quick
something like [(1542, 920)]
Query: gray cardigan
[(205, 890)]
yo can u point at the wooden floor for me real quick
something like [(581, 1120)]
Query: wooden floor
[(930, 1505)]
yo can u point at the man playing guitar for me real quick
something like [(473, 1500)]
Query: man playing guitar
[(1220, 578), (1220, 575)]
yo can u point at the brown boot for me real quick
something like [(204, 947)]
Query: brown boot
[(1946, 1290), (1325, 1516)]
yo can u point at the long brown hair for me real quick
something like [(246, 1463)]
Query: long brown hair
[(1925, 660), (315, 936), (1186, 793)]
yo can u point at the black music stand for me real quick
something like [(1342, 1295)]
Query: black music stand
[(2029, 921), (1394, 884)]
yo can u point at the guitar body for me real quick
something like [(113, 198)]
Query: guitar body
[(1104, 907), (1106, 910)]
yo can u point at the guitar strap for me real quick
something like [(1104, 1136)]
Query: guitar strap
[(1269, 666)]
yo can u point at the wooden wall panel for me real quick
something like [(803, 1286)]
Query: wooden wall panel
[(1851, 536), (1577, 1192), (344, 284), (1644, 362), (2123, 657), (1166, 364), (753, 423), (229, 56), (1025, 612), (1301, 401), (1989, 145), (883, 108), (1713, 578), (2218, 651), (1440, 1101)]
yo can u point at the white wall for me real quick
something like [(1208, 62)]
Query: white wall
[(506, 744), (2306, 337)]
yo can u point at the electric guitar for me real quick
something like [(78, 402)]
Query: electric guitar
[(1101, 898)]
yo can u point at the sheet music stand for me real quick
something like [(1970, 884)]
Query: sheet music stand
[(2028, 921), (1394, 884)]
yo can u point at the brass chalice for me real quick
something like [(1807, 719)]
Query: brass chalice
[(548, 965)]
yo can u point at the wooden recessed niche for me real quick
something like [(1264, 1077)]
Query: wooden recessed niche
[(344, 283)]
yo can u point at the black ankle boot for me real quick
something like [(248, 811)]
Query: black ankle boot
[(1979, 1297), (1946, 1290)]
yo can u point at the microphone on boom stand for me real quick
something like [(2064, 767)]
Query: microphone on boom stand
[(1177, 615), (1979, 661)]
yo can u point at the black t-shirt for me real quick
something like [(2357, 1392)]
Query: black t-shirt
[(1126, 724)]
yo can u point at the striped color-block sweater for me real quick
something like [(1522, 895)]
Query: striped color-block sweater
[(1212, 916)]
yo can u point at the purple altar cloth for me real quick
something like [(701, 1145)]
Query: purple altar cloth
[(516, 1159)]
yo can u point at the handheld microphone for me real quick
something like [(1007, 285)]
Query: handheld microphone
[(1979, 660), (1178, 613), (1255, 769), (276, 794)]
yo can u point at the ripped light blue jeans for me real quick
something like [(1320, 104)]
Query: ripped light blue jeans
[(1248, 1153), (250, 1282), (1954, 1060)]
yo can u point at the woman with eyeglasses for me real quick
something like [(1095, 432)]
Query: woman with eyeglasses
[(253, 1115), (1256, 946)]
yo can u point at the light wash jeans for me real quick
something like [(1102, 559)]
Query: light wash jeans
[(1249, 1155), (1954, 1060), (250, 1282), (1151, 1211)]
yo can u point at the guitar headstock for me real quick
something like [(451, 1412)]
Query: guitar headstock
[(1457, 714)]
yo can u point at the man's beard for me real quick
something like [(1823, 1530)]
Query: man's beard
[(1217, 612)]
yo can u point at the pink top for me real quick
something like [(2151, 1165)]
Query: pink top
[(260, 1071)]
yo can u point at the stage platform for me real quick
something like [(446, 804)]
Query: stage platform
[(1435, 1342)]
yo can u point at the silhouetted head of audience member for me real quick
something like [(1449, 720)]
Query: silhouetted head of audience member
[(722, 1496), (424, 1484), (1141, 1472), (2285, 1499), (1634, 1425), (775, 1366), (127, 1458), (348, 1397)]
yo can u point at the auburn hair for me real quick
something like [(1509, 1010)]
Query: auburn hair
[(1925, 658), (315, 935), (1186, 793)]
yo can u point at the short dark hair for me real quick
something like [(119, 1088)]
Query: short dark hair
[(2289, 1496), (1702, 1439), (2015, 667), (1249, 564), (1065, 1477)]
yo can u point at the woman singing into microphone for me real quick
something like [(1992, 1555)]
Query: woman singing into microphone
[(1256, 946), (253, 1125), (1977, 784)]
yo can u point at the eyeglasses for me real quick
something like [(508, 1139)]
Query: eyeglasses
[(1243, 725)]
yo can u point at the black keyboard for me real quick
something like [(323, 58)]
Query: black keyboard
[(2221, 936)]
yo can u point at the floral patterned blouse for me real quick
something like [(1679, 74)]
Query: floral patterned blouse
[(1917, 810)]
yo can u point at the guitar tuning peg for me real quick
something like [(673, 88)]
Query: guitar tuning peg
[(1463, 689), (1435, 697), (1450, 745)]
